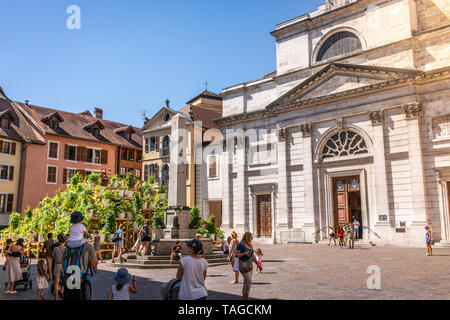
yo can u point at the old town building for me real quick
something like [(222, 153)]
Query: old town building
[(354, 123)]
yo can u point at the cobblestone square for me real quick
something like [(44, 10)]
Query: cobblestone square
[(300, 272)]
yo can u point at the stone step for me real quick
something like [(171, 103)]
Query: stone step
[(149, 262), (153, 266), (167, 258), (444, 244)]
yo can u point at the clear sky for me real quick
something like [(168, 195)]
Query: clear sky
[(130, 56)]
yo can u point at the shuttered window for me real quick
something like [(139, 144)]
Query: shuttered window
[(53, 150), (51, 174), (6, 172), (6, 202)]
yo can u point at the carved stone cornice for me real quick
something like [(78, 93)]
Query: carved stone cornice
[(306, 129), (282, 134), (377, 117), (412, 110)]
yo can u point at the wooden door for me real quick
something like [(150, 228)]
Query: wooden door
[(264, 216), (344, 189)]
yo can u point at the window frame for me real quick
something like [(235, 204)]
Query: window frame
[(56, 174), (216, 177), (9, 149), (57, 150), (7, 171), (76, 152), (67, 177), (93, 156), (325, 39)]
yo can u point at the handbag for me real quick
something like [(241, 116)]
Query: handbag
[(245, 266)]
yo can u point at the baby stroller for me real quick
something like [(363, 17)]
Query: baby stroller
[(170, 290), (25, 266)]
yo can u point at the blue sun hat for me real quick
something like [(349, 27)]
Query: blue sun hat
[(122, 276), (76, 217)]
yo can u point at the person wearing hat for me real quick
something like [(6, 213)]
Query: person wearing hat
[(192, 273), (13, 270), (77, 232), (122, 288), (8, 244)]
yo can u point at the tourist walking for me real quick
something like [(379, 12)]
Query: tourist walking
[(8, 245), (226, 246), (428, 241), (351, 236), (13, 270), (345, 234), (118, 240), (340, 234), (48, 253), (232, 257), (41, 280), (192, 273), (58, 272), (176, 252), (247, 257), (259, 257), (331, 236), (356, 225), (146, 237), (122, 288), (97, 245)]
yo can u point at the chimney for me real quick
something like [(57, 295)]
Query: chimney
[(98, 113)]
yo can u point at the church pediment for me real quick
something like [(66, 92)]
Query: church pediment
[(338, 78)]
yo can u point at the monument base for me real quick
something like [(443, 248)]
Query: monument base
[(163, 247), (183, 234)]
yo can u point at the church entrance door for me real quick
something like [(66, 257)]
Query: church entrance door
[(347, 201), (264, 216)]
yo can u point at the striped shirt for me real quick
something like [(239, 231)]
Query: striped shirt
[(122, 294)]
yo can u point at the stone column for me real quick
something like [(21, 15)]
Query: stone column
[(240, 213), (308, 182), (227, 223), (283, 206), (412, 113), (380, 172)]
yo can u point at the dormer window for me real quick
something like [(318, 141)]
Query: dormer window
[(53, 120), (94, 128), (126, 132), (6, 123), (5, 119)]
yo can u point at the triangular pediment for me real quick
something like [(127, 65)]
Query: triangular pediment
[(336, 79)]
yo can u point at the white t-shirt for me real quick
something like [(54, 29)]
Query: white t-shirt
[(192, 283), (122, 294), (226, 246), (76, 232)]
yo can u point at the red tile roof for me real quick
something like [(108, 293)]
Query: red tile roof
[(20, 129), (73, 124)]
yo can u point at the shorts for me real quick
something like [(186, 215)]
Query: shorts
[(236, 265), (146, 239), (59, 270), (332, 235), (118, 245)]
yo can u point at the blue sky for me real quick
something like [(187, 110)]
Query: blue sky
[(129, 56)]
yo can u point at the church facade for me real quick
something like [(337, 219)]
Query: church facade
[(354, 123)]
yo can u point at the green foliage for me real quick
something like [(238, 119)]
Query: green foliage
[(94, 179), (152, 180), (140, 221), (14, 221), (110, 225), (208, 228), (129, 180), (195, 212)]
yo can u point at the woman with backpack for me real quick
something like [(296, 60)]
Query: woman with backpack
[(118, 240), (247, 257), (192, 273), (146, 237)]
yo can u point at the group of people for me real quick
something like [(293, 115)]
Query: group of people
[(345, 234)]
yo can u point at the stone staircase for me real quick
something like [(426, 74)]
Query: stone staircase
[(444, 244), (132, 261), (358, 242)]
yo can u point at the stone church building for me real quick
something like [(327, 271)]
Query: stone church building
[(355, 123)]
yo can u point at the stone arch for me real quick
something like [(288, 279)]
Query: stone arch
[(332, 33), (353, 143)]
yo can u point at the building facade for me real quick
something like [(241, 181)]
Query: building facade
[(353, 124), (70, 143), (200, 131)]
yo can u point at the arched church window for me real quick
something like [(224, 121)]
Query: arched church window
[(344, 143), (338, 44)]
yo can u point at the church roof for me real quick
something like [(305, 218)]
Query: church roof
[(206, 94)]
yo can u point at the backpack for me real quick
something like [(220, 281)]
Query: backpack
[(72, 257), (145, 231), (115, 237)]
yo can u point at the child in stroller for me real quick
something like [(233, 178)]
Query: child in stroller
[(25, 264)]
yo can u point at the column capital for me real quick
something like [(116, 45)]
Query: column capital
[(282, 134), (412, 110), (377, 117), (306, 129)]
